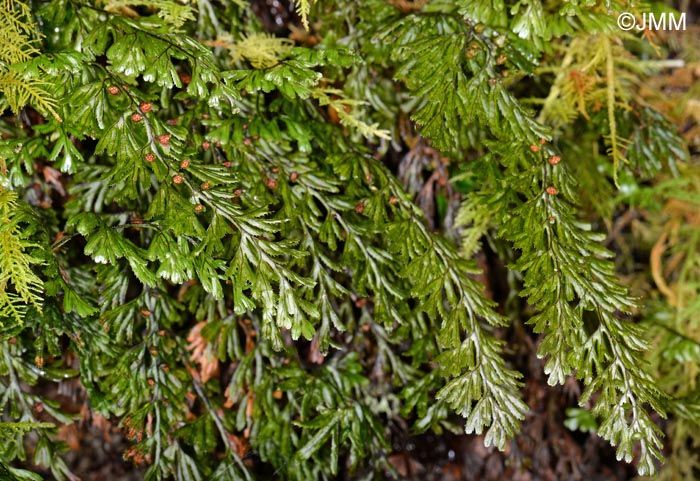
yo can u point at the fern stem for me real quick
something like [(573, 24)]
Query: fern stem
[(610, 95)]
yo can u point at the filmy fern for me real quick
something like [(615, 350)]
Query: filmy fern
[(568, 291)]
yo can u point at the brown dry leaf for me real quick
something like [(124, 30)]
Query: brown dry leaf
[(405, 465), (184, 288), (202, 353), (692, 107), (679, 209), (250, 404), (229, 403), (451, 472), (104, 425), (408, 6), (301, 36), (315, 355), (249, 336), (68, 433), (680, 212), (52, 176), (238, 444), (681, 78)]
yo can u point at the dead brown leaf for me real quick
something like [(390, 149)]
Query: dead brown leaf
[(203, 353), (69, 434), (52, 177)]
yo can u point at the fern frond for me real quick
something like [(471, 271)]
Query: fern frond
[(15, 33), (21, 91), (13, 11), (347, 114), (16, 265), (474, 217), (15, 48), (8, 429)]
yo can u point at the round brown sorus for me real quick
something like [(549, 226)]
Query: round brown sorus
[(271, 183), (360, 207), (534, 148), (206, 186), (164, 139), (145, 107), (178, 179), (227, 164), (185, 163), (137, 117), (543, 141), (554, 160), (293, 176), (198, 208), (150, 157), (113, 90), (206, 145), (551, 191)]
